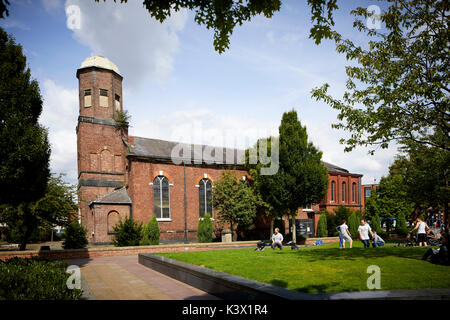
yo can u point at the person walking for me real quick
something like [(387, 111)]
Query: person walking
[(422, 229), (364, 230), (344, 234), (277, 239)]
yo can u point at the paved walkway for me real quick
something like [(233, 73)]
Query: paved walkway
[(123, 278)]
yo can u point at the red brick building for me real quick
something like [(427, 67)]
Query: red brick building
[(121, 175)]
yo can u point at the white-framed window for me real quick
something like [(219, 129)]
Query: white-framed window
[(354, 192), (308, 207), (205, 197), (161, 198)]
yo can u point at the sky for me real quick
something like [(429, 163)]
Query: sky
[(177, 87)]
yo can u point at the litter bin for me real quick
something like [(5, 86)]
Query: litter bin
[(226, 235)]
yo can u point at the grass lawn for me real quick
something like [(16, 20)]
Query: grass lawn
[(327, 268)]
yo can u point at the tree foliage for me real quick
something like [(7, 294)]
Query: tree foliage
[(235, 201), (24, 146), (322, 230), (75, 236), (398, 84), (205, 229), (53, 209), (301, 178), (353, 224), (127, 233), (425, 172), (389, 200), (150, 233)]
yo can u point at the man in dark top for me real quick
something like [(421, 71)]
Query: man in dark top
[(439, 256)]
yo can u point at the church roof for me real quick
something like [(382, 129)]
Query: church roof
[(118, 196), (162, 149)]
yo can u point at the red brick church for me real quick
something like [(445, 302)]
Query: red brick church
[(121, 175)]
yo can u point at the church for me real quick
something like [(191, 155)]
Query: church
[(128, 176)]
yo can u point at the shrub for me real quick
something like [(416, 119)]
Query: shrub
[(205, 229), (127, 233), (150, 233), (401, 228), (301, 237), (35, 279), (332, 223), (322, 230), (353, 224), (75, 236), (376, 224)]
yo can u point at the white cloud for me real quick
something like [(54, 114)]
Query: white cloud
[(140, 46), (59, 114)]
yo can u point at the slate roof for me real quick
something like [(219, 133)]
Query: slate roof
[(162, 149), (117, 196)]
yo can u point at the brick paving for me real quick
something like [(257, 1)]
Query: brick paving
[(123, 278)]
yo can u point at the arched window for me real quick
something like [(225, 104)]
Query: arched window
[(112, 219), (205, 197), (343, 191), (161, 197), (333, 190), (354, 192)]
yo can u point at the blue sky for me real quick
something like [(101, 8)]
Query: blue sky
[(177, 87)]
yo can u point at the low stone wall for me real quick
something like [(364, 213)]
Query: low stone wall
[(122, 251)]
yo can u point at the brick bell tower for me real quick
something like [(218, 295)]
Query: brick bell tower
[(101, 150)]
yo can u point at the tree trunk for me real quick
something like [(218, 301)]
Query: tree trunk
[(271, 227), (294, 233)]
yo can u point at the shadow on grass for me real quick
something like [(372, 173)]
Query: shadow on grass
[(279, 283), (313, 255)]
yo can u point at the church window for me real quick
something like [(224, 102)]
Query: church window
[(161, 197), (205, 197)]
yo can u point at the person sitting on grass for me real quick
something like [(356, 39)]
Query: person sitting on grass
[(364, 230), (439, 256), (277, 239), (377, 241)]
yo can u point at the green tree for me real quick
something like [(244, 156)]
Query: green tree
[(353, 224), (235, 201), (150, 233), (332, 223), (322, 230), (127, 233), (205, 229), (425, 172), (342, 213), (398, 83), (389, 200), (401, 228), (75, 236), (301, 178), (24, 147), (375, 223), (223, 16), (53, 209)]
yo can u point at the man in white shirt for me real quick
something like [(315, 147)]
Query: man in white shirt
[(364, 230), (277, 239), (377, 241)]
